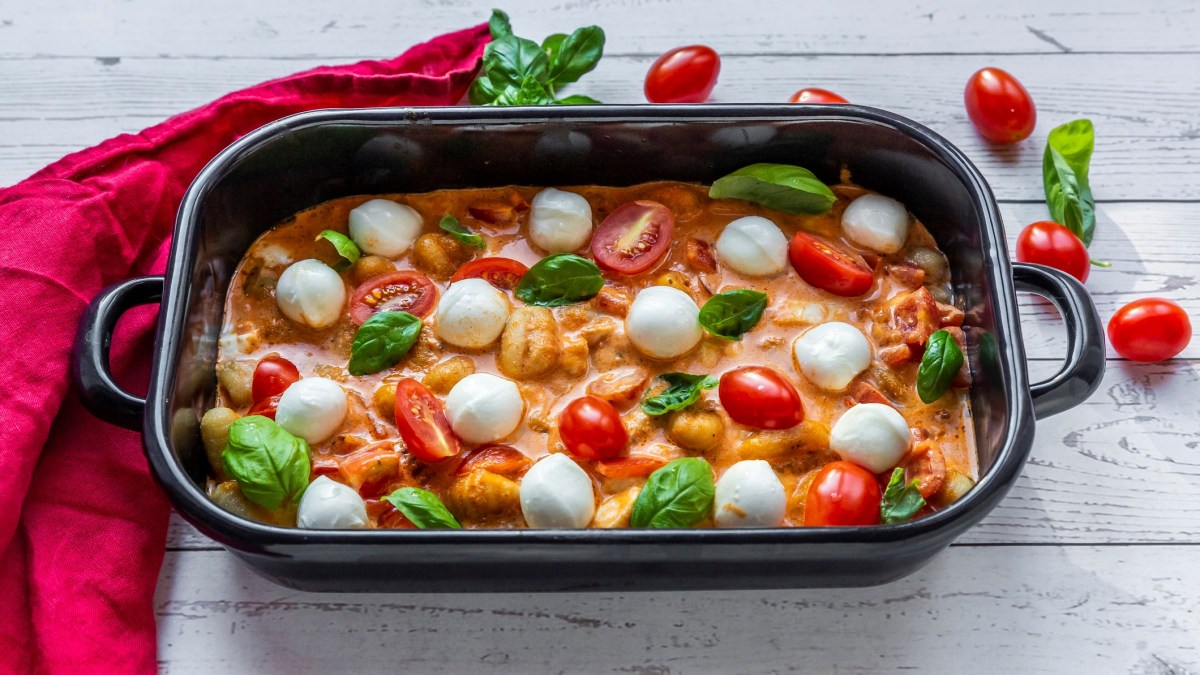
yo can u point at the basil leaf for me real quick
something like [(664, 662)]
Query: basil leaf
[(1065, 177), (499, 25), (577, 99), (382, 341), (560, 279), (269, 464), (552, 44), (345, 247), (511, 61), (731, 314), (683, 391), (454, 228), (782, 187), (531, 92), (941, 362), (423, 508), (679, 494), (900, 502), (482, 92), (577, 55)]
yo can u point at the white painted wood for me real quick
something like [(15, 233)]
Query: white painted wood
[(1006, 609)]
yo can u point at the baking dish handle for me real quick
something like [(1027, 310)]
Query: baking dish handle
[(1083, 369), (90, 371)]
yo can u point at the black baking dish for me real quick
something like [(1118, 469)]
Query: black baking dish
[(309, 158)]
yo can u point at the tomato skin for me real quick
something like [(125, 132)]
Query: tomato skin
[(634, 237), (1048, 243), (272, 376), (422, 423), (828, 267), (999, 106), (814, 95), (1150, 329), (591, 428), (634, 466), (842, 494), (683, 75), (503, 273), (419, 293), (760, 397), (502, 459), (265, 407)]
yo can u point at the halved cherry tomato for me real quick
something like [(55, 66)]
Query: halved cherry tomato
[(502, 459), (634, 237), (1048, 243), (591, 428), (760, 397), (503, 273), (683, 75), (265, 407), (999, 106), (925, 464), (633, 466), (422, 423), (1150, 329), (272, 376), (814, 95), (410, 292), (828, 267), (842, 494)]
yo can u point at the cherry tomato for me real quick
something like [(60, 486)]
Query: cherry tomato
[(814, 95), (828, 267), (999, 107), (1150, 329), (760, 397), (842, 494), (410, 292), (502, 459), (265, 407), (422, 423), (503, 273), (1048, 243), (633, 466), (683, 75), (272, 376), (634, 237), (591, 428)]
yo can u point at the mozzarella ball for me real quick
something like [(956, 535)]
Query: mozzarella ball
[(749, 494), (876, 222), (383, 227), (556, 493), (329, 505), (663, 322), (311, 293), (872, 435), (483, 408), (753, 246), (312, 408), (832, 355), (471, 314), (559, 221)]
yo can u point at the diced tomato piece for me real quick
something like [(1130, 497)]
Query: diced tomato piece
[(325, 466), (910, 276), (385, 515), (700, 256), (612, 300), (915, 316), (370, 469), (621, 386), (895, 355), (492, 212), (634, 466), (925, 463), (864, 392), (266, 407), (950, 315), (500, 459)]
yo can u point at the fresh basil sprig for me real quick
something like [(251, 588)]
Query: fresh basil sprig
[(382, 341), (424, 509), (680, 494), (683, 391), (344, 245), (783, 187), (560, 279), (900, 502), (1065, 166), (941, 362), (519, 71), (461, 234), (270, 465), (733, 313)]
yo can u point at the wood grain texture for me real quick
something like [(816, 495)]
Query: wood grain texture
[(1032, 609)]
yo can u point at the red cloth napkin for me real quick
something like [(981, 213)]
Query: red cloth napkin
[(82, 524)]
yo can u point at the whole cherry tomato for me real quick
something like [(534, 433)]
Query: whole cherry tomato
[(1048, 243), (842, 494), (999, 106), (760, 397), (422, 423), (1150, 329), (683, 75), (828, 267), (272, 376), (591, 428), (814, 95)]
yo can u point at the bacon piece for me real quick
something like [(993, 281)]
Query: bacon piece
[(950, 315), (620, 387), (895, 355), (864, 392), (612, 300), (907, 274), (493, 213), (915, 316), (700, 255), (926, 464)]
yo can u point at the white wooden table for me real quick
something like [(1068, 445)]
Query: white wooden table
[(1091, 564)]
